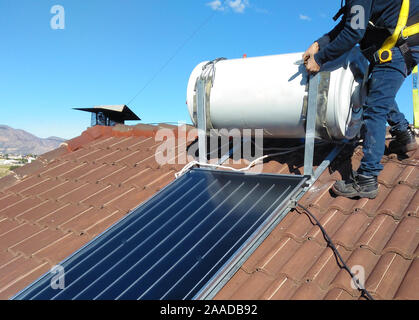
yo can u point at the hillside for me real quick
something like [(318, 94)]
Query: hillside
[(15, 141)]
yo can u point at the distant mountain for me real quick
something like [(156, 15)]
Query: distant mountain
[(14, 141)]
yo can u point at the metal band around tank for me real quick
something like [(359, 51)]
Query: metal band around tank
[(208, 74), (322, 99)]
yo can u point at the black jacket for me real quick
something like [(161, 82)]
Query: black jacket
[(382, 13)]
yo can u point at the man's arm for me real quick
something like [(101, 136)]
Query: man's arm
[(346, 34), (330, 36)]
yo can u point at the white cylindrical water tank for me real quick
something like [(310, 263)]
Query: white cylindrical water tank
[(270, 93)]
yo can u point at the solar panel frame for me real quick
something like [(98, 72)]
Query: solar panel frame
[(41, 289)]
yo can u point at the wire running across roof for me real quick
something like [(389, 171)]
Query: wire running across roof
[(174, 245)]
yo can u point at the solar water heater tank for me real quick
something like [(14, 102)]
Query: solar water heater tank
[(270, 93)]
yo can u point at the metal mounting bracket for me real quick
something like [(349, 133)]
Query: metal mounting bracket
[(202, 119), (314, 82)]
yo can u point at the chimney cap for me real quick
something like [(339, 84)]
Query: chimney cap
[(120, 112)]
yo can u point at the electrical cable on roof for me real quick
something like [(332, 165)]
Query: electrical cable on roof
[(251, 165), (218, 166), (330, 244)]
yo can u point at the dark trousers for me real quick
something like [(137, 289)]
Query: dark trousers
[(381, 107)]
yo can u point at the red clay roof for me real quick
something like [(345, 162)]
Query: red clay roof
[(52, 207), (382, 235), (55, 205)]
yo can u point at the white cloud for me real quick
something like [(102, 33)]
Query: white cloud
[(238, 6), (216, 5), (304, 17)]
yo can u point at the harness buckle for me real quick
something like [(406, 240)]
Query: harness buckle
[(383, 56)]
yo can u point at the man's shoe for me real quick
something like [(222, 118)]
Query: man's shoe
[(359, 186), (404, 141)]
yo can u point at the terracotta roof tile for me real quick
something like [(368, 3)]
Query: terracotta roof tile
[(58, 217), (405, 239), (25, 184), (6, 257), (86, 220), (254, 287), (114, 156), (18, 235), (302, 260), (20, 207), (6, 225), (277, 256), (351, 230), (338, 294), (325, 268), (410, 177), (54, 154), (360, 257), (142, 144), (300, 228), (56, 169), (8, 181), (9, 200), (19, 273), (81, 193), (131, 177), (61, 249), (281, 289), (331, 222), (137, 157), (309, 291), (378, 233), (318, 196), (397, 201), (344, 205), (369, 207), (255, 261), (124, 143), (77, 155), (387, 276), (409, 289), (33, 244), (76, 170), (413, 208), (58, 191), (104, 223), (100, 198), (95, 173), (31, 168), (36, 213), (44, 186), (389, 175), (288, 220), (132, 199)]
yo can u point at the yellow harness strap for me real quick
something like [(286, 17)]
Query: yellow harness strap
[(410, 31), (385, 54), (415, 97)]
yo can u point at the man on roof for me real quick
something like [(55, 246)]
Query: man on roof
[(388, 33)]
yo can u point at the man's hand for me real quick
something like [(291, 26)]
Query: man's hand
[(314, 48), (312, 66)]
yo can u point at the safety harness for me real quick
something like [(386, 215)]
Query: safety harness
[(404, 36), (400, 39)]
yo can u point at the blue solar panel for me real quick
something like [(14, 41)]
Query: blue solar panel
[(174, 244)]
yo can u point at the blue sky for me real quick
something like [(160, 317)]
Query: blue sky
[(110, 49)]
